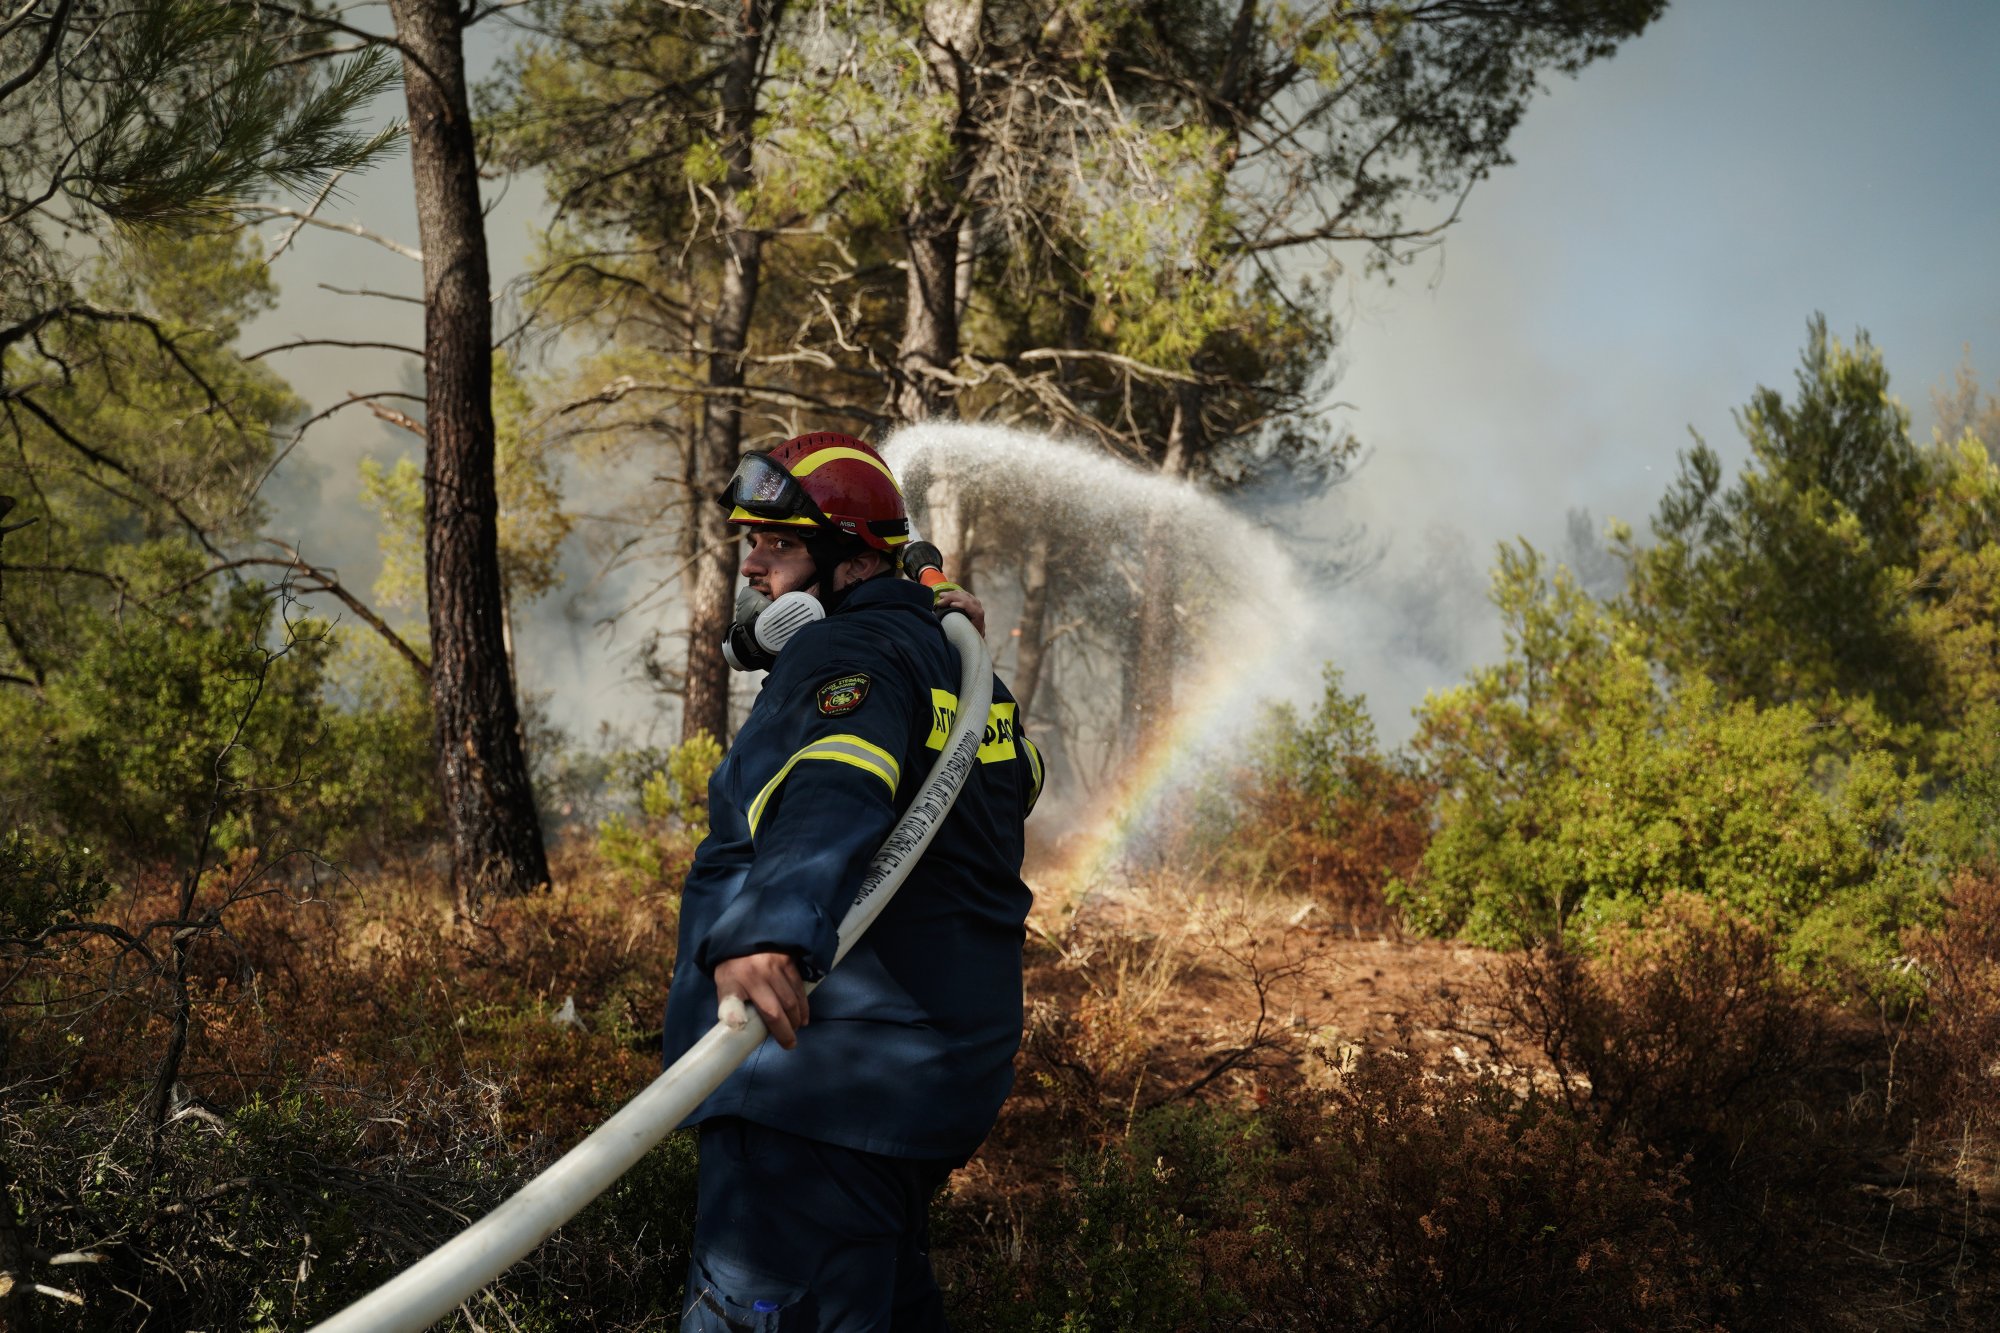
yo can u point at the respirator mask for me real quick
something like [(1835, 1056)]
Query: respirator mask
[(764, 625)]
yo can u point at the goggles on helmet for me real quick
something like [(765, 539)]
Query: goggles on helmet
[(761, 488)]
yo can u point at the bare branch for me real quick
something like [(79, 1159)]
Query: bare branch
[(325, 53), (395, 418), (314, 420), (367, 38), (366, 291), (333, 342), (322, 580), (126, 939), (1115, 359), (97, 456), (292, 232), (305, 219), (58, 24)]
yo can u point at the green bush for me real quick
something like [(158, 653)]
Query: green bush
[(654, 846), (234, 719), (45, 884), (373, 771), (1576, 792), (1315, 806)]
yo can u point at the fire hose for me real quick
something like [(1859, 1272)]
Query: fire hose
[(437, 1284)]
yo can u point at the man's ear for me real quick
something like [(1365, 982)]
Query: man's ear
[(859, 568)]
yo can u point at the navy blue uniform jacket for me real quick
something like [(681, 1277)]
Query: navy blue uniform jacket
[(910, 1047)]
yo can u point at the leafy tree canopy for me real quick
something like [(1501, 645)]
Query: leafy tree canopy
[(1791, 583), (1576, 790), (1847, 568), (163, 439)]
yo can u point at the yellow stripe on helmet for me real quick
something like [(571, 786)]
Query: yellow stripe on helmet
[(742, 515), (812, 463)]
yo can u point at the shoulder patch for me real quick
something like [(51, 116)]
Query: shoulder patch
[(840, 697)]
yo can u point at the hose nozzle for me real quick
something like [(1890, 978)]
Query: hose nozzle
[(924, 563)]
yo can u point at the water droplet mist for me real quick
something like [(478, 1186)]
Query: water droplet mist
[(1244, 626)]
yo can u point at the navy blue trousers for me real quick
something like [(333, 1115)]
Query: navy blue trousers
[(796, 1236)]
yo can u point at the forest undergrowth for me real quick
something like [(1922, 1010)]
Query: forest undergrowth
[(1237, 1107)]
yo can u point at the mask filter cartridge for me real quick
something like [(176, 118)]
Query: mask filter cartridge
[(764, 626)]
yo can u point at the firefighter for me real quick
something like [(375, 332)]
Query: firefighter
[(820, 1155)]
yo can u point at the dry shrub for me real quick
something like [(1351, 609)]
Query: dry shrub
[(1091, 1030), (362, 1076), (1109, 1031), (1687, 1033), (378, 986), (1094, 1048), (289, 1207), (359, 993), (1416, 1198), (1344, 852), (1951, 1060), (1402, 1199), (1685, 1030)]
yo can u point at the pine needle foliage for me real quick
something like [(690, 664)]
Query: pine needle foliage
[(160, 114)]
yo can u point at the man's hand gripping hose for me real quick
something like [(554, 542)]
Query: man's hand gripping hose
[(437, 1284)]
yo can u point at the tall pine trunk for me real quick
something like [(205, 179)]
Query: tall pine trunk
[(705, 706), (483, 786), (929, 349), (938, 234), (1150, 676), (1031, 647), (1151, 696), (930, 314)]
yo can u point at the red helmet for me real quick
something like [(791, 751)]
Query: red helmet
[(824, 480)]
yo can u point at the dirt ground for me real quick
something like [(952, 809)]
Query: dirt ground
[(1144, 995)]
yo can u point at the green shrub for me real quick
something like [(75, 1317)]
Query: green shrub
[(1314, 807), (1576, 792), (235, 716), (373, 770), (45, 884), (655, 846)]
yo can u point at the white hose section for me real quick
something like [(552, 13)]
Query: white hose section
[(437, 1284)]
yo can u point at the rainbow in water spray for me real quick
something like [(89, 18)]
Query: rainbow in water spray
[(1249, 643)]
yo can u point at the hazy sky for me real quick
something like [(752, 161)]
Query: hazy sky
[(1673, 219)]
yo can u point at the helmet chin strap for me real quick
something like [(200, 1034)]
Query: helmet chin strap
[(828, 554)]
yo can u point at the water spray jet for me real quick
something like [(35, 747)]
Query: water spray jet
[(1244, 629)]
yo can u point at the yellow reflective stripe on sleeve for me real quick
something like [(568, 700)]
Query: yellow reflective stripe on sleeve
[(842, 749), (1035, 769), (814, 462)]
